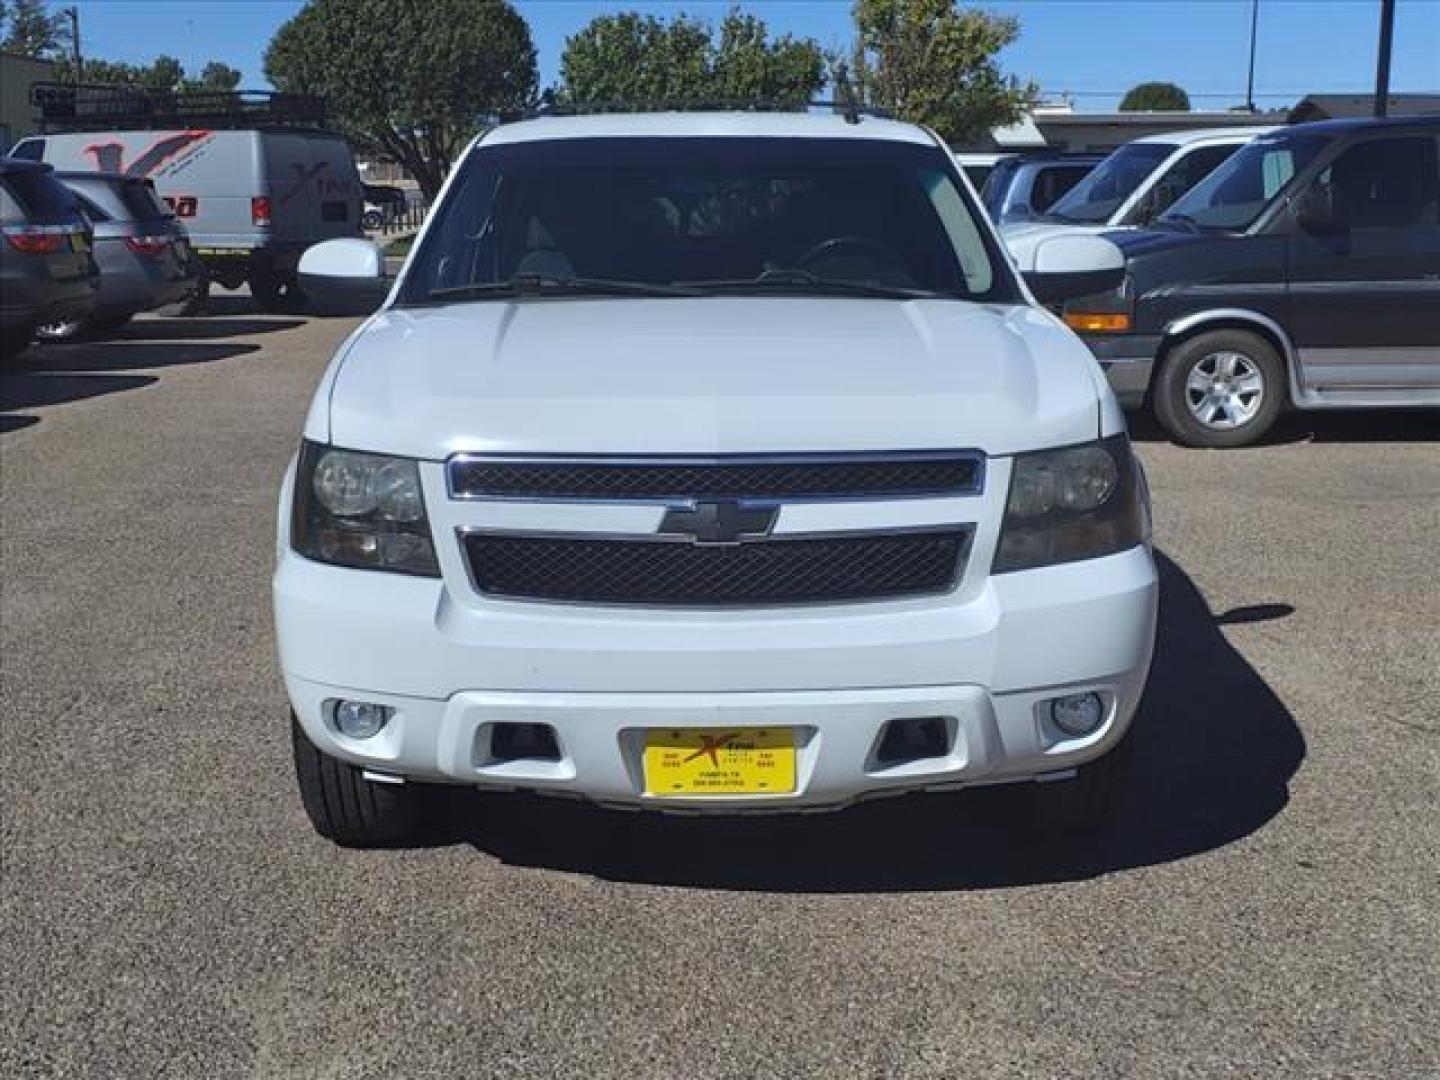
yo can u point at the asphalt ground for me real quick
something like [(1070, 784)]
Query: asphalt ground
[(1268, 904)]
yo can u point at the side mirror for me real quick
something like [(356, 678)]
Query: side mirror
[(1314, 211), (1066, 267), (347, 273)]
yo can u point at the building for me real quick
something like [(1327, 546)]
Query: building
[(19, 118), (1060, 127), (1345, 106)]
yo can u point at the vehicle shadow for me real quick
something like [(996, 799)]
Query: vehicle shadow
[(1327, 426), (55, 374), (187, 328), (1214, 752)]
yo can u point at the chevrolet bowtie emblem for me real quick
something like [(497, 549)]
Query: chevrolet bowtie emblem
[(720, 521)]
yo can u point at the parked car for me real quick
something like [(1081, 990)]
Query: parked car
[(1023, 188), (977, 166), (1304, 273), (710, 462), (1132, 186), (383, 205), (144, 257), (251, 200), (46, 270)]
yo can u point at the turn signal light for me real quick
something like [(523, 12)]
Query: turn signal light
[(1098, 322)]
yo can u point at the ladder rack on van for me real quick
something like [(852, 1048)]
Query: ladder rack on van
[(86, 107)]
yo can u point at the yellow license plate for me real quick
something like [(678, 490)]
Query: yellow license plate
[(719, 761)]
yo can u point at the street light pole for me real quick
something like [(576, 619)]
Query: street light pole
[(73, 14), (1382, 63), (1250, 84)]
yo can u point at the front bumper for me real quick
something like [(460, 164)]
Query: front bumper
[(835, 676), (1127, 360)]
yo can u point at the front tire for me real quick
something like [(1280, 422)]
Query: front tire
[(14, 340), (1219, 389), (345, 807)]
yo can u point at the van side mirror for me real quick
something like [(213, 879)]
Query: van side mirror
[(347, 273), (1314, 209), (1066, 267)]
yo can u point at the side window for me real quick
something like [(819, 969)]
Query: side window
[(29, 150), (1050, 184), (1383, 184), (1179, 178)]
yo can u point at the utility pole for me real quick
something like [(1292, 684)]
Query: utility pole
[(73, 14), (1250, 84), (1382, 64)]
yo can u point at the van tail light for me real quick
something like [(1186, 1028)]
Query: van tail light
[(34, 239), (260, 210), (150, 246)]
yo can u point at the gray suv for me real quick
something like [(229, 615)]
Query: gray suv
[(144, 256), (46, 269)]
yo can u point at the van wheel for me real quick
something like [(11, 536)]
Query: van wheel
[(1082, 804), (345, 807), (198, 302), (275, 293), (1218, 389)]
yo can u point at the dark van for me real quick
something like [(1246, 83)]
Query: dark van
[(1302, 273)]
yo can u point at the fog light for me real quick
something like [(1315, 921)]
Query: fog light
[(361, 719), (1077, 714)]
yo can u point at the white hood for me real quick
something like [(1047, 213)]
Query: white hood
[(712, 375)]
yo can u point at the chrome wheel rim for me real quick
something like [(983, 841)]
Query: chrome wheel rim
[(1225, 390)]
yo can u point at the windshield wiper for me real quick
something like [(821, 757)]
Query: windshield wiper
[(545, 285), (803, 282)]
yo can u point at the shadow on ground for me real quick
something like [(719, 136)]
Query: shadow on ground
[(1215, 751), (54, 374), (1325, 426), (201, 328)]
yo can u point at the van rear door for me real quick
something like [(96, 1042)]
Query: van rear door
[(315, 191)]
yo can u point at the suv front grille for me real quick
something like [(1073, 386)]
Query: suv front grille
[(805, 568), (905, 474)]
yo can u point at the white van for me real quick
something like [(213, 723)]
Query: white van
[(1132, 187), (251, 200)]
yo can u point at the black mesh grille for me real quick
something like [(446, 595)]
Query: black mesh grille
[(876, 476), (778, 570)]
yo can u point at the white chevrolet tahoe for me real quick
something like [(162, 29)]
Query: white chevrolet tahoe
[(710, 462)]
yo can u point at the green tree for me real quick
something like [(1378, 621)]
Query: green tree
[(640, 61), (215, 76), (1155, 97), (413, 79), (933, 63), (27, 29)]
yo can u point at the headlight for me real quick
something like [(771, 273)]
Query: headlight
[(363, 510), (1079, 502)]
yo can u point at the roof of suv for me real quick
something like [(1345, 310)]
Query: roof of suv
[(649, 125), (1186, 138), (21, 165)]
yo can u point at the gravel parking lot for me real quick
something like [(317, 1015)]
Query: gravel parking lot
[(1269, 904)]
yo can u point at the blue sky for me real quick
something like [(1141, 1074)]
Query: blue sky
[(1094, 49)]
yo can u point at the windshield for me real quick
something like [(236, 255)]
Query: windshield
[(696, 216), (1114, 180), (1232, 198)]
